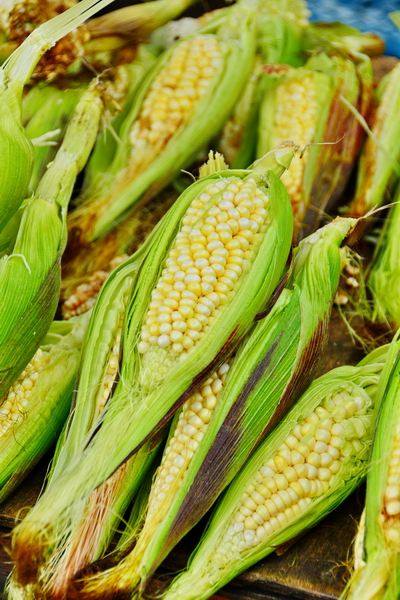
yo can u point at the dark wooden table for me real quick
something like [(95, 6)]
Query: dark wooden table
[(315, 567)]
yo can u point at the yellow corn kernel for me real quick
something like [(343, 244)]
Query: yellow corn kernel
[(209, 255), (285, 485), (171, 97), (192, 424), (295, 119), (15, 403), (392, 490), (83, 297)]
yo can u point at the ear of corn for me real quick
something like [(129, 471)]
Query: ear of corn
[(314, 458), (237, 406), (376, 575), (16, 154), (379, 163), (279, 31), (94, 527), (182, 103), (307, 108), (343, 135), (295, 106), (30, 273), (33, 410), (156, 377), (385, 272)]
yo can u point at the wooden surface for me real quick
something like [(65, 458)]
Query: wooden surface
[(313, 568)]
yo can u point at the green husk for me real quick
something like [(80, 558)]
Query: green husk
[(271, 368), (343, 135), (16, 154), (376, 577), (379, 167), (103, 209), (212, 566), (106, 147), (238, 138), (29, 439), (384, 277), (57, 107), (340, 36), (150, 390), (135, 23), (30, 272)]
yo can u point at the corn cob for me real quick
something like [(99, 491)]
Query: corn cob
[(221, 424), (313, 459), (379, 163), (32, 269), (107, 34), (306, 106), (16, 156), (157, 375), (376, 575), (23, 17), (384, 275), (33, 410), (182, 103), (92, 532), (353, 81)]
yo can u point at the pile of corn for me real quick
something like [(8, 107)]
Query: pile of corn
[(162, 320)]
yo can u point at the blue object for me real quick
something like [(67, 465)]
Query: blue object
[(366, 15)]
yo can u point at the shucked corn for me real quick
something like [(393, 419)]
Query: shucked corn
[(299, 471), (172, 95), (376, 575), (181, 105), (34, 409)]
